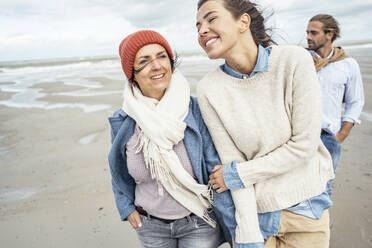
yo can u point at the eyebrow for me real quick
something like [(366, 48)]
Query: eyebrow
[(206, 15), (147, 56)]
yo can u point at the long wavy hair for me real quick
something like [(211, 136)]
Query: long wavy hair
[(261, 34)]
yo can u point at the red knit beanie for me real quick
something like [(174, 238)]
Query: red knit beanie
[(132, 43)]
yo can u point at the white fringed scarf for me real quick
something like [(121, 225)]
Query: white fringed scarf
[(162, 126)]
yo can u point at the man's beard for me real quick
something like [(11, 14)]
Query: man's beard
[(315, 47)]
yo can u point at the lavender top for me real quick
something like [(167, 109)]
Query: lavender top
[(147, 189)]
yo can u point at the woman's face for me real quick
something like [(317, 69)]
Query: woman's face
[(155, 70), (218, 30)]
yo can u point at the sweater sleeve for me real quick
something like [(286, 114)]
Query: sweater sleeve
[(224, 142), (306, 115), (247, 229)]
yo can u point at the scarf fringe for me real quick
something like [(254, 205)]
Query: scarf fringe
[(161, 172), (154, 162), (210, 195), (206, 197)]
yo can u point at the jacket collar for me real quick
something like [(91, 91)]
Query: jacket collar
[(190, 120), (122, 113)]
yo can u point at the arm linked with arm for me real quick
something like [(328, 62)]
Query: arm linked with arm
[(245, 228)]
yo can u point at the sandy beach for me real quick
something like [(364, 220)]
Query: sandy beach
[(55, 188)]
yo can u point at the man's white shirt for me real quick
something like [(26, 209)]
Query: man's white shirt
[(340, 81)]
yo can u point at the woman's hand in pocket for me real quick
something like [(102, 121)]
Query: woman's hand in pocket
[(340, 137), (135, 220)]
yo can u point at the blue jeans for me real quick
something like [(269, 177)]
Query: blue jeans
[(188, 232), (334, 148)]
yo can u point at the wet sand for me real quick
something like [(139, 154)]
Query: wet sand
[(55, 188)]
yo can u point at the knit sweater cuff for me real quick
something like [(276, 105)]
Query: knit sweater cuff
[(250, 245), (231, 176)]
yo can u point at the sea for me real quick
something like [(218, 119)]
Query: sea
[(20, 78)]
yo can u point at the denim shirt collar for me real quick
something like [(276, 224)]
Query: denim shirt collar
[(262, 64)]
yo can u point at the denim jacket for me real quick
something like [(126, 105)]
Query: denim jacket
[(203, 157)]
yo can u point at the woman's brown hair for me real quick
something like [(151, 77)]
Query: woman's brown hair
[(237, 8)]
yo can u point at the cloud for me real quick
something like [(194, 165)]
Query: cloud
[(64, 28), (37, 29), (160, 13), (57, 31), (290, 19)]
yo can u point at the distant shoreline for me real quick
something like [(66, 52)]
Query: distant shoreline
[(99, 58)]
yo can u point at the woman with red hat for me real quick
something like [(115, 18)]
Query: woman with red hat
[(160, 150)]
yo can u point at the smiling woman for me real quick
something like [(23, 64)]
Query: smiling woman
[(160, 151), (154, 71), (226, 15), (263, 109)]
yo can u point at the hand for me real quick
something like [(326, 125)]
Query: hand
[(340, 137), (216, 179), (344, 132), (135, 220)]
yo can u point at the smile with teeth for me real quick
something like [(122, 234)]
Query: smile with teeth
[(211, 41), (157, 77)]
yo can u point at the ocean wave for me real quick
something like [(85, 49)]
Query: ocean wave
[(65, 67), (44, 105), (82, 74), (80, 61), (358, 46), (87, 93), (55, 62), (86, 107)]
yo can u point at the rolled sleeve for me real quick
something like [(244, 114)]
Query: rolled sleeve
[(231, 176), (349, 119)]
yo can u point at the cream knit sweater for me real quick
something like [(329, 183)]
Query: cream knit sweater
[(270, 123)]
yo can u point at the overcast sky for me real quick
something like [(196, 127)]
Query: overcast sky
[(34, 29)]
